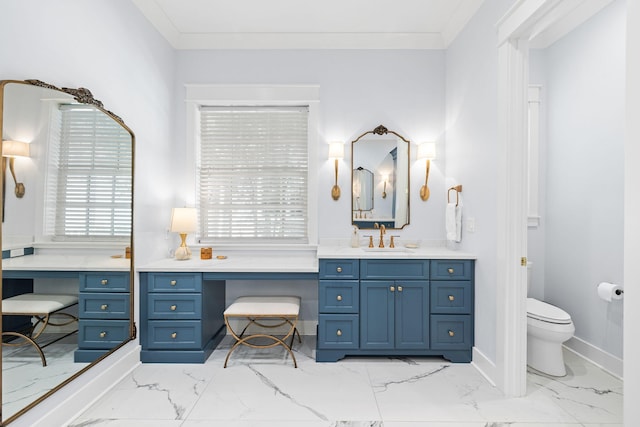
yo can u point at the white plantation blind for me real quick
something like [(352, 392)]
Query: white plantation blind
[(90, 176), (252, 174)]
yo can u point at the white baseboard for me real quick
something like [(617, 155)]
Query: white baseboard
[(597, 356), (73, 399), (485, 366)]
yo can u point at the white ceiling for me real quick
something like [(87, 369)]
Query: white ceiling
[(309, 24)]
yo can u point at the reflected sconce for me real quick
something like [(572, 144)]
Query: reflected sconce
[(11, 150), (426, 151), (336, 151), (183, 221), (385, 178)]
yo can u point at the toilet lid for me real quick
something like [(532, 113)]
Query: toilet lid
[(546, 312)]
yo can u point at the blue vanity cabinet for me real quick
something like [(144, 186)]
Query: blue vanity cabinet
[(104, 309), (180, 316)]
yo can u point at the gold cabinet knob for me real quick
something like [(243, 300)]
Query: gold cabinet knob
[(399, 288), (451, 298), (104, 281), (339, 298), (173, 282), (104, 306), (173, 307), (392, 288), (103, 334), (339, 269), (450, 270), (451, 333), (339, 333), (174, 335)]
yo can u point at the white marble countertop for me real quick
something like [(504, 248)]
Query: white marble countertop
[(422, 252), (66, 263)]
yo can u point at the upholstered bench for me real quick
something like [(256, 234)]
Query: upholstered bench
[(256, 309), (42, 307)]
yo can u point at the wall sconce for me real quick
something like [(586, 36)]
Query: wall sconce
[(385, 178), (336, 151), (427, 151), (13, 149), (183, 221)]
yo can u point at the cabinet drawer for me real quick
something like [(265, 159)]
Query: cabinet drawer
[(338, 296), (174, 306), (339, 269), (451, 269), (451, 297), (450, 332), (104, 282), (104, 306), (338, 331), (394, 269), (173, 335), (175, 282), (102, 334)]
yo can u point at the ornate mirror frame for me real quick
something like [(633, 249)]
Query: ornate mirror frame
[(83, 96)]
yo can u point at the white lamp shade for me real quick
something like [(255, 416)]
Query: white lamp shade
[(15, 149), (184, 220), (427, 150), (336, 150)]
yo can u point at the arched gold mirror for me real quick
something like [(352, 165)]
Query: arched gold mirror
[(380, 179), (66, 237)]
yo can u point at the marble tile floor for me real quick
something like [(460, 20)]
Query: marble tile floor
[(24, 379), (262, 389)]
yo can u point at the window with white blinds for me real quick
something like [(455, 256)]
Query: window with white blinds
[(89, 176), (252, 174)]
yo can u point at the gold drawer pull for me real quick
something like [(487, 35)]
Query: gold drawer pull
[(399, 288), (392, 288), (174, 335), (104, 281), (450, 270), (173, 307), (451, 298), (104, 306), (103, 334), (339, 269), (339, 333), (451, 333), (339, 298), (173, 282)]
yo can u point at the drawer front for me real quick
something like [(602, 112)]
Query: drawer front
[(338, 296), (104, 306), (339, 269), (175, 282), (451, 269), (104, 282), (336, 331), (451, 297), (394, 269), (102, 334), (174, 306), (174, 335), (451, 332)]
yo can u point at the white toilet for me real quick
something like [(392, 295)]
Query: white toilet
[(547, 328)]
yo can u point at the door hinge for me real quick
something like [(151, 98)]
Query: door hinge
[(523, 261)]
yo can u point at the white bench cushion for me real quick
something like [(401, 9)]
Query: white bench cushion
[(37, 303), (264, 306)]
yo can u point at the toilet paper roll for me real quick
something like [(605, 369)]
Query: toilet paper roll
[(609, 291)]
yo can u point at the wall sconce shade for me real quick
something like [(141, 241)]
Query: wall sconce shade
[(183, 221), (11, 150), (427, 151), (15, 149), (336, 151)]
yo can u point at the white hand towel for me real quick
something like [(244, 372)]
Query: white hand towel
[(453, 222)]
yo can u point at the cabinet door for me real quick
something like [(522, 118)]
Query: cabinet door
[(412, 315), (376, 314)]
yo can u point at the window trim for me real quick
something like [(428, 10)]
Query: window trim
[(198, 95)]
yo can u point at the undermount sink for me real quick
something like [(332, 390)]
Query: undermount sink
[(396, 249)]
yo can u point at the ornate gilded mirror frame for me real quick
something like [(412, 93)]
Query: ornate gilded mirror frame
[(82, 96)]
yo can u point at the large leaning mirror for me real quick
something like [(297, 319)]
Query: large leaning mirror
[(380, 179), (67, 211)]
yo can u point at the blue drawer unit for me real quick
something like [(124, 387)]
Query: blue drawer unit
[(181, 316), (104, 309), (407, 307)]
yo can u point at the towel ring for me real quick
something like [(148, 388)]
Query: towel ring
[(458, 190)]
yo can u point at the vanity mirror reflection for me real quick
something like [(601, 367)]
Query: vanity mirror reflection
[(380, 179), (67, 231)]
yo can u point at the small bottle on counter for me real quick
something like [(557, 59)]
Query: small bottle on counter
[(355, 239)]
